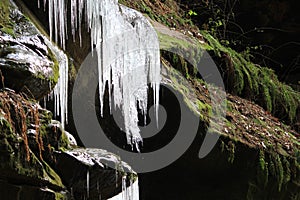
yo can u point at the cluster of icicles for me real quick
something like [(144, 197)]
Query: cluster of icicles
[(130, 193), (127, 49)]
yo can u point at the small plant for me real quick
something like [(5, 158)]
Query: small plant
[(192, 13)]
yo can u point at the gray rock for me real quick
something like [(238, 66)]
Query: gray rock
[(26, 63), (71, 139), (91, 173)]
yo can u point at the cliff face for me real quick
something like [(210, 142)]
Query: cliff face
[(39, 159), (256, 156)]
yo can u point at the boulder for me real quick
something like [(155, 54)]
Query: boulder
[(27, 64), (93, 173), (40, 160)]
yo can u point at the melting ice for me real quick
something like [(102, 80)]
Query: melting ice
[(60, 92), (130, 193), (128, 54)]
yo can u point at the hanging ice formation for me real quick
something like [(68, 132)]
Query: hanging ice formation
[(132, 192), (127, 49), (60, 92)]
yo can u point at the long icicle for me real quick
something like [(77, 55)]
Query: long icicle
[(130, 60)]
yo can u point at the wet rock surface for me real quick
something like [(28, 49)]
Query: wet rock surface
[(22, 168), (39, 160), (255, 158), (90, 173), (26, 63)]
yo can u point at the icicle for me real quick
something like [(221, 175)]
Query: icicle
[(116, 177), (57, 12), (88, 183), (45, 102), (98, 190), (72, 193), (130, 193), (124, 188), (60, 92), (127, 49)]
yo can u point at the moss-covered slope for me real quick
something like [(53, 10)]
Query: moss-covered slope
[(241, 77)]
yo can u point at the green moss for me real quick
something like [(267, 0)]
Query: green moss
[(133, 177), (54, 78), (50, 175), (279, 172), (59, 196), (205, 110), (229, 149), (263, 171), (232, 154), (180, 84), (287, 170), (184, 55), (170, 17), (257, 83), (6, 25), (64, 143), (8, 31)]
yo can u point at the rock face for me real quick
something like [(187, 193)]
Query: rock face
[(256, 157), (26, 63), (38, 161), (88, 172), (23, 171)]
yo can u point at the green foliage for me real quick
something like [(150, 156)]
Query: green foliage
[(274, 173), (54, 78), (205, 110), (246, 79), (256, 83), (231, 150), (262, 172), (165, 12), (6, 25), (192, 13)]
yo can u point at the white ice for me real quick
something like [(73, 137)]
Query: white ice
[(127, 48)]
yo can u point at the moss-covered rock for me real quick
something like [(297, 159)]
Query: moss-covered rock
[(19, 164), (241, 77), (6, 25), (251, 140), (26, 63), (38, 157), (101, 170)]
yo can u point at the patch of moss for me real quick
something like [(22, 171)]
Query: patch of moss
[(183, 54), (50, 175), (54, 78), (6, 25), (257, 83), (262, 171), (205, 111), (229, 149), (172, 16), (60, 196), (64, 143)]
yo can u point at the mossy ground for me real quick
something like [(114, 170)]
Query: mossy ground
[(256, 83), (241, 77)]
